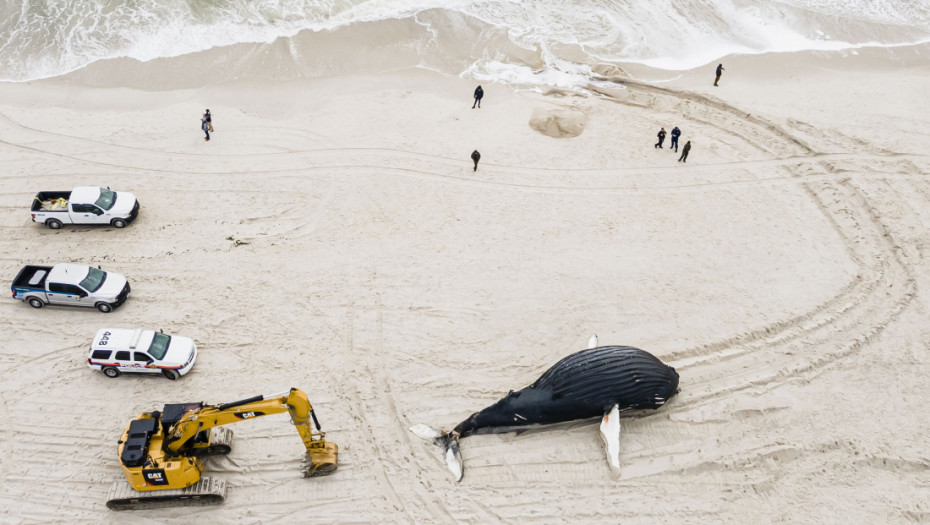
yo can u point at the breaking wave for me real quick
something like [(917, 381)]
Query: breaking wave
[(526, 42)]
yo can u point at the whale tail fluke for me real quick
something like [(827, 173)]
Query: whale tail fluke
[(426, 432), (449, 442), (453, 457), (610, 431)]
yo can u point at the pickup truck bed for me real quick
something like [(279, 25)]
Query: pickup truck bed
[(48, 201), (32, 277)]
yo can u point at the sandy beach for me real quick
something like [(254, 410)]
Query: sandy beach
[(332, 236)]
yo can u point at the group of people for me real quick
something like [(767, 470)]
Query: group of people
[(675, 134), (206, 124), (674, 143)]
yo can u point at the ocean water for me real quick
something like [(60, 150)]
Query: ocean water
[(517, 41)]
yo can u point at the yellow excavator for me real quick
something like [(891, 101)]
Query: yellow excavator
[(161, 452)]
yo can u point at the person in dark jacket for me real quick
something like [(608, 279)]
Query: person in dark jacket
[(203, 126), (479, 94), (209, 121), (684, 152), (475, 156), (720, 71), (661, 136), (675, 134)]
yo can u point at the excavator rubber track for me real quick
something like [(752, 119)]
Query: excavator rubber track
[(207, 491)]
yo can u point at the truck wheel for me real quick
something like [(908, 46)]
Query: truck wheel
[(105, 307), (35, 302), (170, 374), (111, 372), (53, 224), (118, 223)]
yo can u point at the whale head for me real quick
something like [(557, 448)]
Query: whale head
[(670, 388)]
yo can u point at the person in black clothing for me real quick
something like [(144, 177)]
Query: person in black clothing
[(479, 94), (684, 152), (661, 136), (720, 71), (475, 156), (675, 134), (203, 126), (209, 121)]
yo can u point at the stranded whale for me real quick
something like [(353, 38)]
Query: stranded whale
[(604, 381)]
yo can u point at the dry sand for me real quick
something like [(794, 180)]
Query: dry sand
[(333, 237)]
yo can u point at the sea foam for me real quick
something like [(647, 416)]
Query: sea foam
[(532, 41)]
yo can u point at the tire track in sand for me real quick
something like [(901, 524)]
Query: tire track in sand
[(377, 413), (800, 347)]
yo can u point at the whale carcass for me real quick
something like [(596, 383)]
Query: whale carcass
[(604, 381)]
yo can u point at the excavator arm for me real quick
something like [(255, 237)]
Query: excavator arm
[(181, 435)]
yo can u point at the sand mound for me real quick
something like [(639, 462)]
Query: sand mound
[(609, 71), (558, 123)]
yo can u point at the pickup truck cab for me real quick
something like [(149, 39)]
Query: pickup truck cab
[(70, 284), (84, 205), (119, 350)]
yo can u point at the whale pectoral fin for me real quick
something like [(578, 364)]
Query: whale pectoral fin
[(592, 342), (610, 431), (453, 457)]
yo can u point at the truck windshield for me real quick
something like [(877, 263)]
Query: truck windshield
[(94, 279), (159, 346), (106, 199)]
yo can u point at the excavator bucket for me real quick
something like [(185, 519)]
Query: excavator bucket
[(321, 460)]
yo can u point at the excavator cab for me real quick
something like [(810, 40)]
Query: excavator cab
[(201, 444), (172, 413)]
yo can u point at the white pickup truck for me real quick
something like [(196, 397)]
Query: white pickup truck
[(119, 350), (84, 205), (70, 284)]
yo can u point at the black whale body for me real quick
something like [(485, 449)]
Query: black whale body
[(583, 385)]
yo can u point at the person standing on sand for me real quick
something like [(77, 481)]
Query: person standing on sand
[(720, 71), (479, 94), (661, 136), (203, 126), (684, 152), (209, 121), (475, 156), (675, 134)]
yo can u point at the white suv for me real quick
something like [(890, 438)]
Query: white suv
[(118, 350)]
